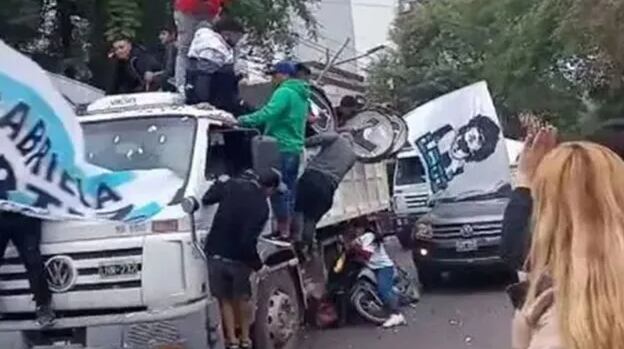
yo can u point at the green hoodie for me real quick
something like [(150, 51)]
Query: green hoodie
[(284, 116)]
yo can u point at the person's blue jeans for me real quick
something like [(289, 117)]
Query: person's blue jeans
[(284, 203), (385, 289)]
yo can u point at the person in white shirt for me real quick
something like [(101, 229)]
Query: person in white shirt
[(369, 245), (212, 75)]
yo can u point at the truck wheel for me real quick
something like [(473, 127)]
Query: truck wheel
[(278, 317)]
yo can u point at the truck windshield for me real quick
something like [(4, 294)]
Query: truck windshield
[(409, 171), (141, 143)]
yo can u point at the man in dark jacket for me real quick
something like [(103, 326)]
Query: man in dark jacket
[(231, 245), (135, 69), (25, 234), (168, 52), (516, 234), (319, 181)]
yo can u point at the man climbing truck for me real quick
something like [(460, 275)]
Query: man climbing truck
[(145, 284)]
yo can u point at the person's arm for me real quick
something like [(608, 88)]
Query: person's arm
[(362, 247), (271, 111), (215, 193), (322, 139), (249, 238), (515, 240)]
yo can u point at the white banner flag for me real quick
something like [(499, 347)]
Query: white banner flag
[(43, 171), (461, 143)]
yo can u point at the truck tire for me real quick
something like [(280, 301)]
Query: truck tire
[(279, 312)]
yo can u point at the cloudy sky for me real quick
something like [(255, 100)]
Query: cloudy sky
[(372, 20)]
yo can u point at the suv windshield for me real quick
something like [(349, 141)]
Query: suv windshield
[(141, 143), (409, 171)]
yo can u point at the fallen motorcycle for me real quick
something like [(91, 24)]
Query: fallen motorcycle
[(354, 286)]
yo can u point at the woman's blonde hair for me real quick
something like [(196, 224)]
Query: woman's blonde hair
[(578, 241)]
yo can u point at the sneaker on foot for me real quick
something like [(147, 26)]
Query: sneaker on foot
[(394, 320), (246, 344), (45, 315), (234, 345)]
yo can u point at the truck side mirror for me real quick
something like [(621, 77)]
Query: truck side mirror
[(190, 205), (265, 153)]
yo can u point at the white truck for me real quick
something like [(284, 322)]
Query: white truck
[(145, 285)]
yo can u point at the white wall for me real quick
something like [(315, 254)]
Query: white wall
[(335, 25)]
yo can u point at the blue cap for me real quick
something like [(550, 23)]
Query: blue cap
[(283, 67)]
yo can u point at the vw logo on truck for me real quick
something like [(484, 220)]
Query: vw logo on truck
[(467, 230), (61, 273)]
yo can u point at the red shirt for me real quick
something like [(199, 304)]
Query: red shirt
[(210, 7)]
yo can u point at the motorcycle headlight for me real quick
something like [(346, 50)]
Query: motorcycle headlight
[(423, 231)]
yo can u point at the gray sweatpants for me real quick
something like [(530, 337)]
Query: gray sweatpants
[(187, 24)]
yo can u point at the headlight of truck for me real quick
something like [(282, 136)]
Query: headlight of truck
[(423, 231)]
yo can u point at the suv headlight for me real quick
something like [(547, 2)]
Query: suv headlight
[(423, 231)]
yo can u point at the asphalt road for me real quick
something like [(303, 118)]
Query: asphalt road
[(464, 311)]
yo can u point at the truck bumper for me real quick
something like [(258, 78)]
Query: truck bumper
[(193, 325), (444, 257)]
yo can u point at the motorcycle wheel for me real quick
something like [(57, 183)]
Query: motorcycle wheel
[(367, 304), (406, 287)]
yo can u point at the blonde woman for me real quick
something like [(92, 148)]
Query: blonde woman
[(575, 293)]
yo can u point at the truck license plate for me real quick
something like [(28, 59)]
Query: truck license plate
[(118, 269), (466, 245)]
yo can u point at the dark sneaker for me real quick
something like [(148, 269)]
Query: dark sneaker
[(45, 316), (246, 345)]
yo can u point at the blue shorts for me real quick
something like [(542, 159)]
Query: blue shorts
[(284, 203)]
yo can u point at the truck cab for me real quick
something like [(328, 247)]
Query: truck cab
[(410, 194), (145, 284)]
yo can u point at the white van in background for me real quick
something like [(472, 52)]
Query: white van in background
[(411, 189)]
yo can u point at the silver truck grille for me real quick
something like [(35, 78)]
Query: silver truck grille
[(88, 272), (416, 201), (466, 230)]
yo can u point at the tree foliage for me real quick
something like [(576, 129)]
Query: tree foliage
[(554, 58)]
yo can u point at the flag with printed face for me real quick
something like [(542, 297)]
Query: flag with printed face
[(43, 169), (461, 144)]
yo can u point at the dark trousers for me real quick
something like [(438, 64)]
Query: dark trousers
[(25, 234), (314, 198)]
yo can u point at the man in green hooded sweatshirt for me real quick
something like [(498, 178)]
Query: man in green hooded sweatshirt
[(284, 118)]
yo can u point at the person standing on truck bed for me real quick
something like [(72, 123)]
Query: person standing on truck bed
[(231, 246), (284, 117), (25, 234), (320, 179), (211, 76), (188, 16)]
